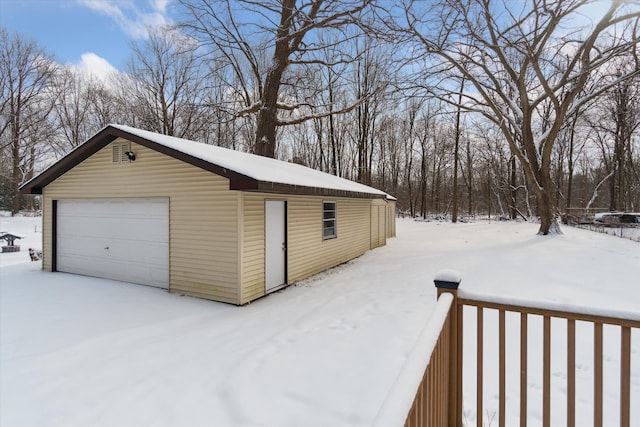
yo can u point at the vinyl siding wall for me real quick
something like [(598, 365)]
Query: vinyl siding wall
[(378, 231), (391, 218), (203, 215), (253, 278), (307, 252)]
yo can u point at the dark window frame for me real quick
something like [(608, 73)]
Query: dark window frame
[(329, 220)]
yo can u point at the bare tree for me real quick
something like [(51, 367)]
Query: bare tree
[(520, 59), (26, 71), (168, 82), (73, 91), (105, 106), (613, 121), (261, 41), (625, 115), (369, 81)]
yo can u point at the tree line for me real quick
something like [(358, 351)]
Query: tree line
[(457, 108)]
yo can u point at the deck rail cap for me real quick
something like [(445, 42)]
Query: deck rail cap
[(447, 279)]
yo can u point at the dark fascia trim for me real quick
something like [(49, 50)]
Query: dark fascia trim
[(237, 181), (278, 188), (83, 151)]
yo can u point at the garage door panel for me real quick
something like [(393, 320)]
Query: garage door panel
[(137, 229), (119, 239), (135, 220), (152, 253), (115, 270)]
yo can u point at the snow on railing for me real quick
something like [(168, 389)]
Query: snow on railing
[(421, 395), (415, 395)]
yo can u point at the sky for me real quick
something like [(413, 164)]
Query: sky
[(92, 34), (96, 34)]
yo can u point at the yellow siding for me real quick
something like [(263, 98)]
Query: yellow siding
[(203, 215), (373, 231), (253, 248), (307, 252), (382, 225), (391, 218), (378, 231)]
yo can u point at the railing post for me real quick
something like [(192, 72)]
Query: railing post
[(448, 281)]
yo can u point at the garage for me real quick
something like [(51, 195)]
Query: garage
[(198, 219), (118, 239)]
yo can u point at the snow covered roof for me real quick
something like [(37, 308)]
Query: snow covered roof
[(247, 172)]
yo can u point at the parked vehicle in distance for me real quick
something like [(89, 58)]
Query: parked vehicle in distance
[(617, 218)]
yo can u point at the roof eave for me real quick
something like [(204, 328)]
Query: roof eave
[(279, 188), (237, 181)]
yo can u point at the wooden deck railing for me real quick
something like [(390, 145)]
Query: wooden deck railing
[(438, 399)]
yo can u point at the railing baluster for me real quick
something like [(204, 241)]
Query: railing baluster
[(546, 375), (444, 372), (427, 400), (479, 364), (625, 376), (571, 373), (597, 374), (523, 369), (458, 338), (446, 363), (437, 384), (502, 362), (421, 404), (432, 401)]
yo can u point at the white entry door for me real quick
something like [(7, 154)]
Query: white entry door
[(275, 244), (119, 239)]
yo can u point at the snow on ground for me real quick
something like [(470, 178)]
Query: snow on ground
[(83, 351)]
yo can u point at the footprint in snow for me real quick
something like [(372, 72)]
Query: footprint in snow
[(343, 325)]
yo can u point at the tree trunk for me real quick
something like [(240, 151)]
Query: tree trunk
[(423, 177), (16, 175), (332, 139), (546, 210), (265, 143), (514, 188), (456, 157), (469, 177), (570, 167)]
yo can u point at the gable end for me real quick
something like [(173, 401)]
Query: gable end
[(110, 134)]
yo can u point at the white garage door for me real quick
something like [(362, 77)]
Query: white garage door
[(119, 239)]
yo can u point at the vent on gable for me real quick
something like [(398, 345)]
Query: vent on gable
[(119, 150)]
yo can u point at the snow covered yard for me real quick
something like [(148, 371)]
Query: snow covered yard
[(84, 351)]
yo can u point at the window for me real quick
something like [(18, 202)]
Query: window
[(329, 220)]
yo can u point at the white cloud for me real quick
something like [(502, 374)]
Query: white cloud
[(96, 66), (133, 17), (160, 5)]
